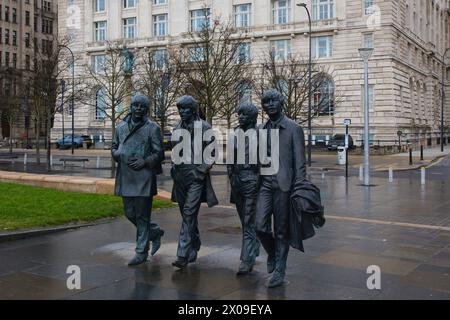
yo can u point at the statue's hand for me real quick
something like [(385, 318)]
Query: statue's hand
[(136, 164)]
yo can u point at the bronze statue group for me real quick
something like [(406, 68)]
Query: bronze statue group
[(278, 211)]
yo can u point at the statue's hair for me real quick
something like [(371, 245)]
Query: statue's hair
[(142, 99), (272, 94), (249, 109), (188, 101)]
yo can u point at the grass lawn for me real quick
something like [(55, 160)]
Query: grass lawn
[(29, 207)]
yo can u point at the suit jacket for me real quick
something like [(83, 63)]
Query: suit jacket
[(208, 194), (292, 165), (144, 141)]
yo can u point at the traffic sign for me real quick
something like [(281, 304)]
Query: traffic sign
[(347, 122)]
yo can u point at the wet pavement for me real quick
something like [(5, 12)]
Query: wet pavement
[(402, 227)]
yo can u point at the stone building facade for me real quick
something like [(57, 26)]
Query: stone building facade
[(409, 38), (25, 26)]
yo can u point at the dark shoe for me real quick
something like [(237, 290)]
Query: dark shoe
[(138, 259), (270, 264), (245, 268), (192, 256), (180, 263), (156, 244), (276, 280)]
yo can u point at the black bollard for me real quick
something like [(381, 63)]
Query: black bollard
[(421, 152), (410, 156)]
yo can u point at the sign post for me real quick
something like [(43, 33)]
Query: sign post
[(347, 122)]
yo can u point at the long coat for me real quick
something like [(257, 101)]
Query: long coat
[(144, 141), (208, 194), (292, 160)]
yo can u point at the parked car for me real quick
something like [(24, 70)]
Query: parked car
[(66, 143), (87, 140), (338, 140)]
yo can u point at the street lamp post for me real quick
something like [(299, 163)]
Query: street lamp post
[(365, 55), (443, 98), (63, 86), (309, 84), (73, 95)]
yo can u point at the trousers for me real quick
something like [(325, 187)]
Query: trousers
[(273, 202), (138, 210)]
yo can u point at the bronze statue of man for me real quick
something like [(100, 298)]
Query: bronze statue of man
[(137, 147), (191, 181), (275, 190), (244, 179)]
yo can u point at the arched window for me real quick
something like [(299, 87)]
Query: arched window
[(324, 96), (100, 105)]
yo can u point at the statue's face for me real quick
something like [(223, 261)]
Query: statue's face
[(186, 112), (245, 119), (272, 106), (138, 110)]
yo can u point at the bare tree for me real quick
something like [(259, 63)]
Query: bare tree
[(160, 79), (110, 83), (290, 76), (52, 63), (211, 65)]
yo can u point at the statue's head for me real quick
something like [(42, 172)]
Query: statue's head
[(187, 108), (272, 102), (139, 107), (248, 114)]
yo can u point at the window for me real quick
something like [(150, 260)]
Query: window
[(6, 13), (371, 96), (243, 53), (14, 60), (159, 58), (196, 54), (281, 49), (324, 96), (199, 19), (6, 59), (368, 40), (1, 35), (368, 7), (14, 38), (1, 60), (98, 63), (322, 47), (100, 105), (27, 40), (1, 12), (100, 5), (27, 62), (281, 11), (6, 36), (159, 1), (160, 25), (245, 93), (100, 30), (129, 28), (35, 22), (27, 18), (322, 9), (14, 15), (129, 4), (242, 15)]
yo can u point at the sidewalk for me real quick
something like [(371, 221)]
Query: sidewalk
[(401, 227)]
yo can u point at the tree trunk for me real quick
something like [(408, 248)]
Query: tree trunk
[(48, 143), (10, 136), (113, 162), (38, 136)]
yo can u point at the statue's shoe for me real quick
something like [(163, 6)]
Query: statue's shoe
[(138, 259), (244, 268), (276, 280), (156, 244), (180, 263)]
